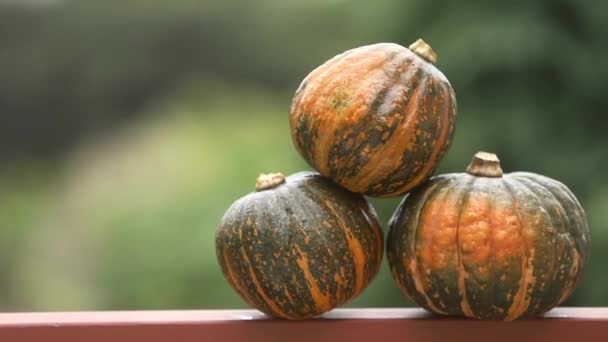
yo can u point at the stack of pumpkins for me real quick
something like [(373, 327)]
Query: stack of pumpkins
[(376, 121)]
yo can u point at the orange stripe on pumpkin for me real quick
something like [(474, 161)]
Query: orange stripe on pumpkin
[(432, 161), (473, 248), (235, 280), (321, 299), (258, 286), (354, 73), (521, 302), (462, 277), (412, 265), (373, 221), (522, 298), (389, 157), (462, 289), (576, 260), (358, 254)]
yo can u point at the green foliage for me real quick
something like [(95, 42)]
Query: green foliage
[(23, 196)]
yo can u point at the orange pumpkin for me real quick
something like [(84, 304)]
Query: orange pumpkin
[(485, 245), (376, 119)]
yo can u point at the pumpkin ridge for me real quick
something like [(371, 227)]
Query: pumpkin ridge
[(284, 202), (221, 253), (321, 299), (318, 194), (408, 256), (357, 251), (360, 246), (491, 256), (236, 226), (464, 305), (372, 217), (352, 132), (371, 246), (514, 311), (495, 311), (419, 276), (573, 271), (264, 219), (569, 285), (302, 123), (304, 273), (311, 201), (401, 240), (543, 264), (499, 272), (234, 281), (391, 187), (371, 117), (462, 273), (472, 231), (427, 243), (448, 104), (428, 167), (410, 98), (326, 139), (535, 187), (582, 230), (579, 227), (396, 245), (437, 284), (506, 251), (275, 309), (400, 69), (246, 267)]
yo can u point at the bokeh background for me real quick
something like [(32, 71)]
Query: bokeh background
[(127, 127)]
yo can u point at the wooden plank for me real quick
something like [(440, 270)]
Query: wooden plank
[(562, 324)]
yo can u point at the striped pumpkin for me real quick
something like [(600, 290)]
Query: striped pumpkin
[(376, 119), (488, 246), (299, 246)]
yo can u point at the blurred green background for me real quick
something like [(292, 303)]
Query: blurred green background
[(128, 127)]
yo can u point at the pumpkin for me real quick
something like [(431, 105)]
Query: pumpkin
[(376, 119), (299, 246), (485, 245)]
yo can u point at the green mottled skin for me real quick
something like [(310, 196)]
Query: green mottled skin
[(308, 214), (552, 230)]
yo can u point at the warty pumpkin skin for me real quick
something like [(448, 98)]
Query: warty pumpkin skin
[(299, 246), (486, 245), (376, 119)]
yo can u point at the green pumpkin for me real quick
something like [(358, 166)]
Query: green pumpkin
[(488, 245), (299, 246)]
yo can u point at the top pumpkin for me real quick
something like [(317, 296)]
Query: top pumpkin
[(376, 119)]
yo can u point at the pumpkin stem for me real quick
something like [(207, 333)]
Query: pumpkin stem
[(267, 181), (485, 164), (424, 50)]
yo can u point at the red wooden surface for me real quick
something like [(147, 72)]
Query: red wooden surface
[(371, 325)]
